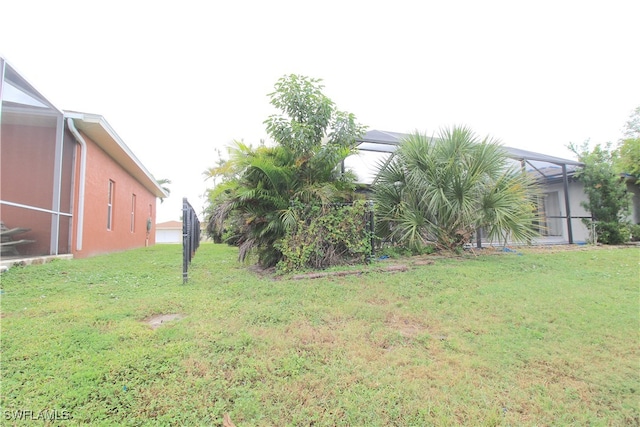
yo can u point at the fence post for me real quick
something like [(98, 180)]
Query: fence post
[(372, 228), (190, 237)]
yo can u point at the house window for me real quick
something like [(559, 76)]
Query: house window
[(112, 187), (552, 210), (550, 214), (133, 213)]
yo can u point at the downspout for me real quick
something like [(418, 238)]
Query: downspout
[(83, 168), (57, 187)]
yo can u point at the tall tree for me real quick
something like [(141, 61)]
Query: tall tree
[(251, 205), (608, 200), (439, 191), (632, 127), (628, 155)]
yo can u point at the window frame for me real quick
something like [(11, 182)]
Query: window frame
[(110, 199), (133, 213)]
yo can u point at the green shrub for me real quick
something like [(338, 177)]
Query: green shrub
[(326, 236), (608, 198), (634, 230), (612, 233)]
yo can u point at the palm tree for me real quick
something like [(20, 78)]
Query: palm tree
[(250, 200), (439, 191), (251, 206), (163, 183)]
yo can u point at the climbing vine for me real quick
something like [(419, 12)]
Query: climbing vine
[(323, 236)]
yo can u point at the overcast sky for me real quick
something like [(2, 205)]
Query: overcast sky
[(178, 80)]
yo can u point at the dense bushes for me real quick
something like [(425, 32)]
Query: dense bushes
[(607, 198), (251, 207), (326, 236)]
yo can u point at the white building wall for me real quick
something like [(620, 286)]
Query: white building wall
[(576, 196), (168, 236)]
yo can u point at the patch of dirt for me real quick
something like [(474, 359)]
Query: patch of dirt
[(261, 271), (514, 250), (377, 301), (322, 274), (156, 321), (423, 260), (406, 326)]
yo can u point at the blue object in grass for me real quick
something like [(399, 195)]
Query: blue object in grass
[(505, 249)]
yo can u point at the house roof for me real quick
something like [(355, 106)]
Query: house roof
[(99, 131), (387, 142), (22, 103), (169, 225)]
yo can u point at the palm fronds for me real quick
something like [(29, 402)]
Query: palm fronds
[(443, 189)]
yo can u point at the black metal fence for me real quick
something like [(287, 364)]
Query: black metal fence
[(190, 237)]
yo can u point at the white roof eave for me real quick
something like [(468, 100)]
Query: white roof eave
[(100, 131)]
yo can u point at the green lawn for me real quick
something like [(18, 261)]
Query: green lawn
[(507, 339)]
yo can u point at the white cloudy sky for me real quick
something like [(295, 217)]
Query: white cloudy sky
[(178, 79)]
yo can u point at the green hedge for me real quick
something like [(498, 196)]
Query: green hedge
[(323, 236)]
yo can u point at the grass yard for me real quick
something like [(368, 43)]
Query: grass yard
[(529, 338)]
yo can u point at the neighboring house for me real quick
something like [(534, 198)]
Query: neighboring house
[(559, 205), (69, 178), (169, 232)]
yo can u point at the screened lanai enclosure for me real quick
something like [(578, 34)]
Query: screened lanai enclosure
[(559, 209), (69, 184), (36, 171)]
